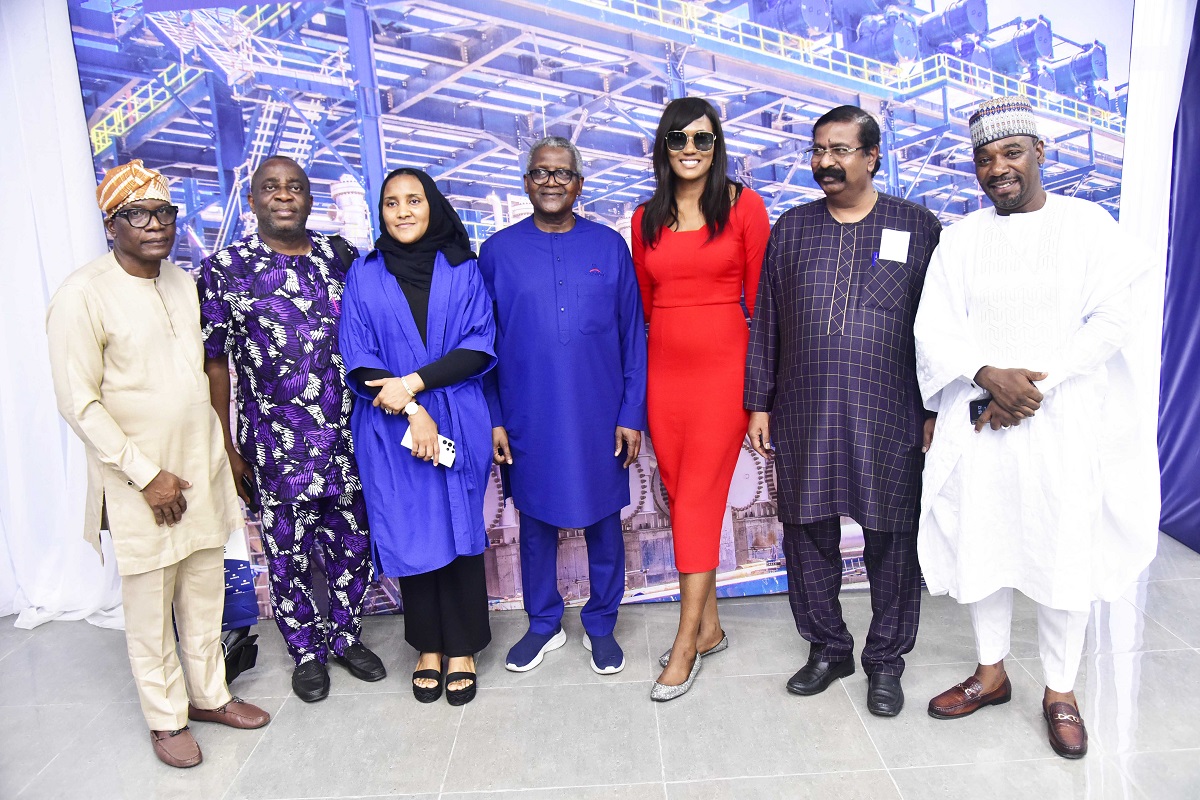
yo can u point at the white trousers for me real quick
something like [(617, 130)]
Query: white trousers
[(1060, 637), (194, 589)]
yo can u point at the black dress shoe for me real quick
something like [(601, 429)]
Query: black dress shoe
[(362, 663), (815, 676), (310, 681), (885, 698)]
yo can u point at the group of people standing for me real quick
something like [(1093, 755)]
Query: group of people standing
[(376, 391)]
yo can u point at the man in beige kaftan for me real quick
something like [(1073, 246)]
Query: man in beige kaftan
[(127, 361)]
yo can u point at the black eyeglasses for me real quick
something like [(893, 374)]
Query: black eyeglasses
[(561, 176), (140, 217), (678, 140)]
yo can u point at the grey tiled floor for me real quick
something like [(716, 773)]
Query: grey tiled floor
[(70, 725)]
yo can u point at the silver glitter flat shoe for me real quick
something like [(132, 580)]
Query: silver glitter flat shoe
[(662, 693), (665, 658)]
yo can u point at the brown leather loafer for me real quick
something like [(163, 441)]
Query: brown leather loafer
[(1067, 735), (237, 713), (967, 698), (176, 748)]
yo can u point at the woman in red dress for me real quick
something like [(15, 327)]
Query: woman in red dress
[(698, 246)]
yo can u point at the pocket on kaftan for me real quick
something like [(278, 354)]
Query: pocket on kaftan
[(886, 286), (596, 306)]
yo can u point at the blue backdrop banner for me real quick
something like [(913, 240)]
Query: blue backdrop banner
[(1179, 422)]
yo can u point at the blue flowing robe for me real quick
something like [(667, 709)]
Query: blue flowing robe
[(571, 337), (422, 516)]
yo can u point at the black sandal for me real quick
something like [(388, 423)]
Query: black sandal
[(460, 697), (422, 694)]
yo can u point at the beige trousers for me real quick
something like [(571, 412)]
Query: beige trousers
[(195, 589)]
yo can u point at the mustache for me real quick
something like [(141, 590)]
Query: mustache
[(837, 173), (994, 181)]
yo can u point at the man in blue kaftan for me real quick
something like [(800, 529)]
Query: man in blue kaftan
[(567, 397)]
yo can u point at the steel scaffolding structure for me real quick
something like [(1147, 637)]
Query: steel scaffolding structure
[(461, 89)]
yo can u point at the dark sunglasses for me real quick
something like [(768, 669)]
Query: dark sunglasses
[(678, 140), (140, 217)]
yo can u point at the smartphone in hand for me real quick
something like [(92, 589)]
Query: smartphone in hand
[(978, 407), (252, 492), (445, 448)]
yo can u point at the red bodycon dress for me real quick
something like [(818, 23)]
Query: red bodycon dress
[(691, 290)]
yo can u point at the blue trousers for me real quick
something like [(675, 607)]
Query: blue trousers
[(539, 574)]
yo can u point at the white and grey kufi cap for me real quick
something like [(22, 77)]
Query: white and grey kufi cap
[(1000, 118)]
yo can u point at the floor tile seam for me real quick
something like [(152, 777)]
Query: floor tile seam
[(62, 705), (1048, 759), (38, 774), (1156, 621), (249, 756), (1170, 580), (1160, 623), (482, 689), (662, 761), (910, 665), (1186, 647), (740, 675), (1128, 776), (404, 690), (870, 738), (1025, 669), (524, 789), (66, 744), (847, 771), (16, 647), (453, 744)]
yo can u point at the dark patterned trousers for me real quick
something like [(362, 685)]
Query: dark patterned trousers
[(814, 570), (291, 532)]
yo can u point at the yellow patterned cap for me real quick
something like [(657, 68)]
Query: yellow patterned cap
[(129, 183)]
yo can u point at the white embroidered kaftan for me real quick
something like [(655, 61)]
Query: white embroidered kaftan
[(1047, 507)]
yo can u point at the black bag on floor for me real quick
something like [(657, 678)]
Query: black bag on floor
[(241, 652)]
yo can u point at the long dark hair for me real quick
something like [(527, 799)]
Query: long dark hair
[(660, 210)]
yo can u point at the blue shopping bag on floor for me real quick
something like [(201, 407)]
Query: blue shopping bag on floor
[(241, 608)]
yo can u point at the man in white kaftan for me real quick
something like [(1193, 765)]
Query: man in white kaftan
[(1025, 310)]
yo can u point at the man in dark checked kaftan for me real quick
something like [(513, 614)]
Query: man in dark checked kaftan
[(831, 357)]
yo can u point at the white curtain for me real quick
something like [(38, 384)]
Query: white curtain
[(1162, 32), (50, 225)]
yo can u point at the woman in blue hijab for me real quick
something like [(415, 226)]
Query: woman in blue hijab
[(416, 337)]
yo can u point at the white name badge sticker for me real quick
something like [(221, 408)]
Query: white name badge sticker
[(893, 245)]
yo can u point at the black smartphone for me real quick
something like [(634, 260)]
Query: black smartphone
[(251, 492), (978, 407)]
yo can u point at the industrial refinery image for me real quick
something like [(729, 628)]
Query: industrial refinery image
[(461, 88)]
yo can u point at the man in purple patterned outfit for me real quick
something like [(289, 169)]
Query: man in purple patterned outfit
[(832, 357), (271, 303)]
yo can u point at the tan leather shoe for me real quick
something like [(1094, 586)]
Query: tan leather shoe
[(967, 698), (1065, 729), (176, 748), (237, 713)]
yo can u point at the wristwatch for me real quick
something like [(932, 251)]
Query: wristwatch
[(412, 408)]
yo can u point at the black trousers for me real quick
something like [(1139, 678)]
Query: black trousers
[(446, 610), (814, 570)]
